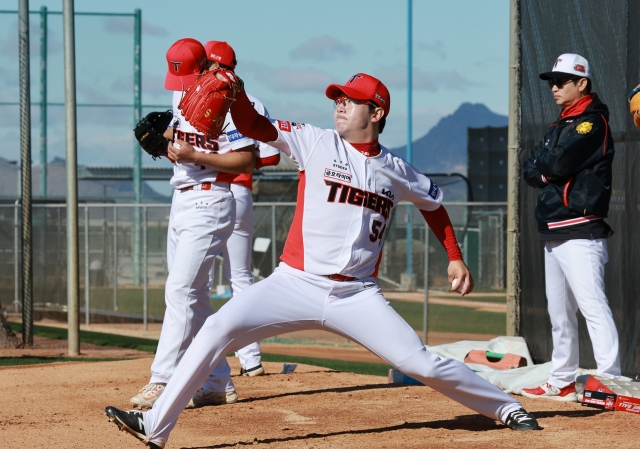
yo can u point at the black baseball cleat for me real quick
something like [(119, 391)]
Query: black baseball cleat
[(522, 421), (131, 422)]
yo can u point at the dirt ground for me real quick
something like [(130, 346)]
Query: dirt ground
[(61, 406)]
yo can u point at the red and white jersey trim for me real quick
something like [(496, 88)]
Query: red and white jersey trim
[(573, 221)]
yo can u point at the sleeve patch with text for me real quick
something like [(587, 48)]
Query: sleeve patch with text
[(284, 126), (234, 135), (433, 190)]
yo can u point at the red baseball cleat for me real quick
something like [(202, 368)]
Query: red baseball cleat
[(548, 391)]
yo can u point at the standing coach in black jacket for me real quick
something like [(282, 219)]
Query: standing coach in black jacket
[(572, 169)]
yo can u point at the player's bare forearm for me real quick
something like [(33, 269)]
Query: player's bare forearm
[(238, 161), (459, 270)]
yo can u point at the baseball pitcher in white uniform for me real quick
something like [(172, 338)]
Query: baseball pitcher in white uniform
[(238, 249), (348, 185), (201, 220)]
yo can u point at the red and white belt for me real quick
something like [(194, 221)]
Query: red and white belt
[(205, 186), (340, 278)]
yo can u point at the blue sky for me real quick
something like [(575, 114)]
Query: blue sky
[(288, 51)]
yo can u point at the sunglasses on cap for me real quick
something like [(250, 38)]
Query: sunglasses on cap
[(560, 83), (349, 103), (632, 93)]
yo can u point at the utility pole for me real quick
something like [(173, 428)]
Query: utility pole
[(73, 270)]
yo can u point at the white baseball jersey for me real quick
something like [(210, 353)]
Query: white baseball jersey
[(188, 174), (356, 191)]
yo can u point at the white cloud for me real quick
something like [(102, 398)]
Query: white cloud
[(323, 48), (430, 81), (118, 25), (303, 113), (395, 132), (437, 48), (283, 79), (151, 85)]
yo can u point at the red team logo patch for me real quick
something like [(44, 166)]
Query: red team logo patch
[(284, 126), (341, 176), (579, 68)]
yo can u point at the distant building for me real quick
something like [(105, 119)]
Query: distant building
[(487, 163)]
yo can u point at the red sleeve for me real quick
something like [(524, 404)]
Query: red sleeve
[(267, 161), (249, 123), (439, 222)]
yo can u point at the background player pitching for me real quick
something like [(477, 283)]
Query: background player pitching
[(238, 249), (327, 276)]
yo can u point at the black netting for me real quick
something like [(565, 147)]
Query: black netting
[(607, 34)]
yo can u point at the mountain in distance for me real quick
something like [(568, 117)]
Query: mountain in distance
[(444, 148)]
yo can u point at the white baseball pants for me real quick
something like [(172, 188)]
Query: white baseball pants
[(199, 224), (574, 276), (291, 300), (237, 261)]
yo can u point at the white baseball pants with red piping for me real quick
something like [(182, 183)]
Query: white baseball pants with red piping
[(237, 261), (574, 278), (199, 225), (292, 300)]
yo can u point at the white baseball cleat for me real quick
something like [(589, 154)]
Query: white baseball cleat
[(148, 395), (548, 391), (252, 372), (204, 397)]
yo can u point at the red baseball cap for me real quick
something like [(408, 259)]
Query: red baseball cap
[(186, 58), (221, 52), (362, 87)]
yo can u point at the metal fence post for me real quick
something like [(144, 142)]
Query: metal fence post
[(25, 173), (86, 264), (273, 238), (43, 102), (16, 252), (425, 311), (137, 161), (115, 257), (145, 297)]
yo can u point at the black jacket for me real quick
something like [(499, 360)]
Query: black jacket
[(572, 168)]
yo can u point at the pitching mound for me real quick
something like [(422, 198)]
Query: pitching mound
[(61, 405)]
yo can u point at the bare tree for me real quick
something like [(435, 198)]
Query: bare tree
[(7, 338)]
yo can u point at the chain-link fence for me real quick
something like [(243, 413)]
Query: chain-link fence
[(607, 34), (107, 260)]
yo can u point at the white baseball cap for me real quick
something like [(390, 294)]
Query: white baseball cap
[(567, 65)]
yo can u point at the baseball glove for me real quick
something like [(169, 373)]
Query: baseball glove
[(149, 132), (206, 103)]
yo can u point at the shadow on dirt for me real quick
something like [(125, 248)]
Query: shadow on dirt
[(328, 390), (471, 423)]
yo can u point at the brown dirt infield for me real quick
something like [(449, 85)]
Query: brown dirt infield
[(61, 406)]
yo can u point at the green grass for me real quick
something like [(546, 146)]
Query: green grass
[(29, 360), (452, 318), (129, 299), (94, 338), (374, 369), (143, 344)]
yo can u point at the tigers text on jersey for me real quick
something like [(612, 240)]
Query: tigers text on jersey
[(188, 174), (345, 200)]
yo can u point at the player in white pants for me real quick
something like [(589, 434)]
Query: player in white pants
[(572, 167), (238, 249), (348, 184), (201, 220)]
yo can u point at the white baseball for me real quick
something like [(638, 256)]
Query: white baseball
[(176, 145), (454, 283)]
